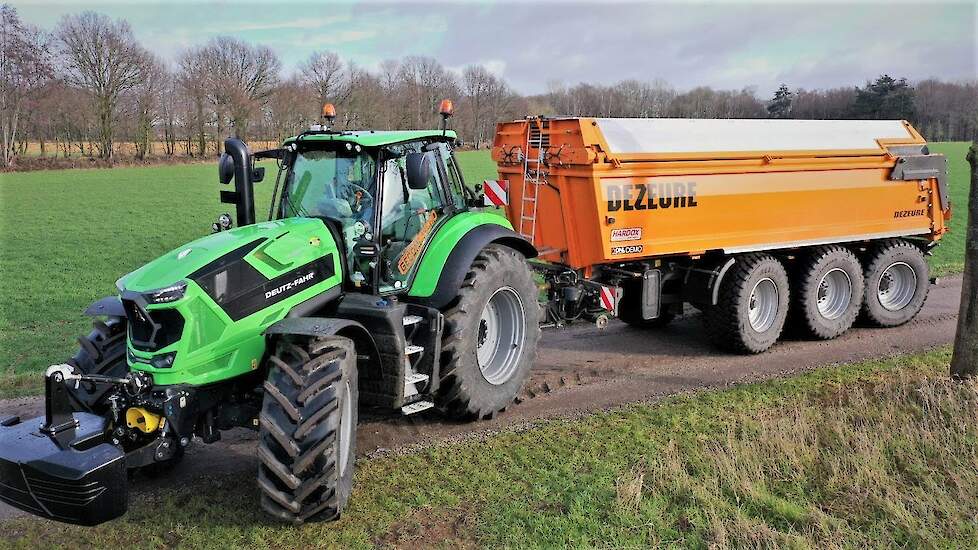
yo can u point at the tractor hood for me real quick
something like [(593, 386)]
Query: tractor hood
[(197, 315), (272, 248)]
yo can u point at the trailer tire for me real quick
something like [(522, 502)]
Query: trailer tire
[(307, 429), (497, 303), (102, 351), (751, 305), (828, 292), (897, 281)]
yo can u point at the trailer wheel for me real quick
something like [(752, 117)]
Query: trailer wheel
[(307, 429), (491, 334), (751, 306), (828, 292), (102, 351), (897, 282)]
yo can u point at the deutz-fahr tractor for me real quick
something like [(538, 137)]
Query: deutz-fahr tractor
[(377, 281)]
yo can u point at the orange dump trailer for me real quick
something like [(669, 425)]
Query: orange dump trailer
[(661, 212)]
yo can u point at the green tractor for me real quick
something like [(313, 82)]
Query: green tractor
[(377, 281)]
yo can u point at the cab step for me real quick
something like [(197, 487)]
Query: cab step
[(415, 377), (411, 349), (416, 407), (412, 320)]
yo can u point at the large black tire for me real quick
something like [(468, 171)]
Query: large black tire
[(891, 261), (728, 323), (828, 292), (501, 274), (102, 351), (307, 429)]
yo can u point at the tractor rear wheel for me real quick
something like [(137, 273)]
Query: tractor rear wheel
[(897, 282), (751, 306), (102, 351), (491, 334), (307, 429)]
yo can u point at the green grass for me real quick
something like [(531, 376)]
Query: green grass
[(948, 258), (881, 454), (68, 235)]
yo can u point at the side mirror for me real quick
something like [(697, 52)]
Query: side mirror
[(418, 170), (225, 168)]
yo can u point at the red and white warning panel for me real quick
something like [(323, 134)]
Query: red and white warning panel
[(496, 192), (608, 298)]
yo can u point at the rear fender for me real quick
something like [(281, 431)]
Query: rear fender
[(464, 253)]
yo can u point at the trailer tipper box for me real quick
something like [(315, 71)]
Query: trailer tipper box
[(680, 202)]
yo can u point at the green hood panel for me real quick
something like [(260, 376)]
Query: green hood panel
[(237, 284), (286, 245)]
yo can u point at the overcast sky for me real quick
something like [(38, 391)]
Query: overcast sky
[(719, 44)]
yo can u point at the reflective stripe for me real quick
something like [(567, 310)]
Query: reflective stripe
[(495, 192)]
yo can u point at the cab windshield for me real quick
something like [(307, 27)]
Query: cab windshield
[(339, 185)]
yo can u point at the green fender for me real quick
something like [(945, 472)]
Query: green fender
[(454, 247)]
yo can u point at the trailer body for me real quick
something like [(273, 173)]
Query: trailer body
[(627, 189)]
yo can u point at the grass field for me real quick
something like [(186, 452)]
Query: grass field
[(68, 235), (879, 454)]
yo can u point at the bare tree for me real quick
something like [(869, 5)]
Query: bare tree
[(193, 82), (145, 104), (25, 66), (242, 78), (964, 361), (103, 58), (323, 71)]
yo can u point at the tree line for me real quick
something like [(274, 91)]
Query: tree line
[(87, 86)]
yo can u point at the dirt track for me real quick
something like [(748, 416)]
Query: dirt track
[(583, 369)]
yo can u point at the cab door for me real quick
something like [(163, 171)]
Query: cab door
[(410, 214)]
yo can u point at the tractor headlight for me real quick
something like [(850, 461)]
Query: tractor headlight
[(164, 361), (166, 295)]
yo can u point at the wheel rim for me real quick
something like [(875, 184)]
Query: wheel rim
[(897, 286), (346, 427), (501, 330), (834, 294), (763, 307)]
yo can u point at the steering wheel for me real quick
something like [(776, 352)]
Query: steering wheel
[(358, 197)]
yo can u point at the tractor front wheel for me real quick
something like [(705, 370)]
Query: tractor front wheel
[(308, 423), (102, 351), (491, 334)]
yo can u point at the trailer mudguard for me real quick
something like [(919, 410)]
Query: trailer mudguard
[(456, 265)]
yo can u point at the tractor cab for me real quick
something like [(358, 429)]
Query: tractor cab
[(383, 194)]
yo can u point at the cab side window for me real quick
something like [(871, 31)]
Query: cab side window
[(455, 182), (407, 219)]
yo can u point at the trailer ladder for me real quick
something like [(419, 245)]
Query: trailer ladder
[(535, 174)]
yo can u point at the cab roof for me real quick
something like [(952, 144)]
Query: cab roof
[(377, 138)]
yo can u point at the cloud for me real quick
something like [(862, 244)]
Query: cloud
[(722, 44)]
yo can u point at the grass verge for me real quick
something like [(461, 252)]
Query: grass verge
[(880, 453)]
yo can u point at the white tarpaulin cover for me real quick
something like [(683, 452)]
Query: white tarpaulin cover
[(688, 135)]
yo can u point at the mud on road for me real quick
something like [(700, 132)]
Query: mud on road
[(580, 369)]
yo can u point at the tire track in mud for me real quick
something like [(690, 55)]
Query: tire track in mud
[(580, 369)]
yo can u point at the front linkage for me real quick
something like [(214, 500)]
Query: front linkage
[(72, 465)]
